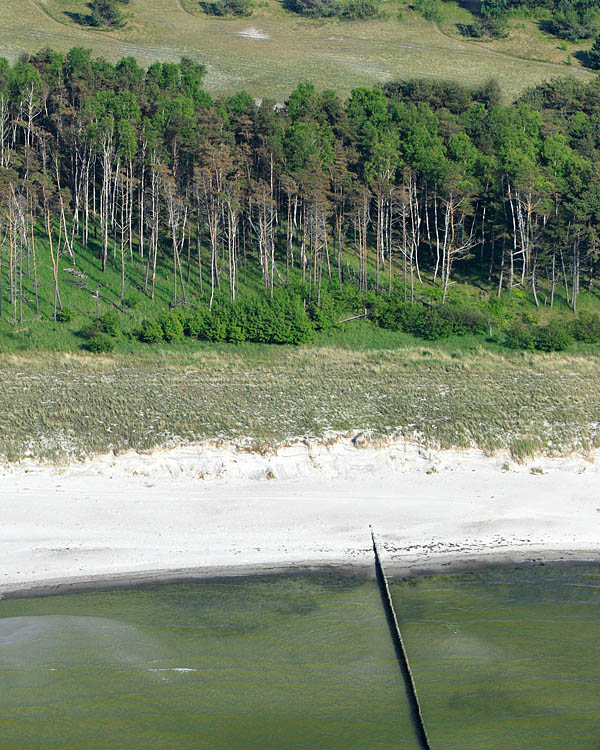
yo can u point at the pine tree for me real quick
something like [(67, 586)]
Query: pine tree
[(593, 56), (105, 13)]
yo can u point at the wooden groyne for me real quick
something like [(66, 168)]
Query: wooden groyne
[(409, 681)]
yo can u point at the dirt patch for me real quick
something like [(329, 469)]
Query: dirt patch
[(253, 33)]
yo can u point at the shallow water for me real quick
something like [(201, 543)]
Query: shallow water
[(503, 659), (506, 658), (295, 662)]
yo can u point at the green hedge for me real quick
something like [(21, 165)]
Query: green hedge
[(586, 328), (279, 320), (428, 322), (553, 337)]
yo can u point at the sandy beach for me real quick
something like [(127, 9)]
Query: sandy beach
[(223, 509)]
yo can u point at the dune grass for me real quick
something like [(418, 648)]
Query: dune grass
[(333, 54), (60, 406)]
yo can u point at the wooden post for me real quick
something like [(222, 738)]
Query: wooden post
[(409, 682)]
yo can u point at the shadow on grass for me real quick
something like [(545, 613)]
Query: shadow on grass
[(583, 57), (83, 19)]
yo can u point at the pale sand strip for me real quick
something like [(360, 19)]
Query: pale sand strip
[(165, 515)]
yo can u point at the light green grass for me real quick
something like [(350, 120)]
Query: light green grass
[(525, 38), (332, 54)]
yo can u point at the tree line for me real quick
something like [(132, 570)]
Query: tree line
[(393, 191)]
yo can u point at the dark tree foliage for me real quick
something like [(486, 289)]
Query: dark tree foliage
[(485, 27), (593, 56), (570, 19), (350, 10), (105, 13), (574, 20), (437, 94)]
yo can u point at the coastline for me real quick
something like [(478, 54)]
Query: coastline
[(221, 511), (396, 571)]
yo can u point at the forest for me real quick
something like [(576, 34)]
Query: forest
[(231, 220)]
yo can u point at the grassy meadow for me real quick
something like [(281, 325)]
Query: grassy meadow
[(331, 53)]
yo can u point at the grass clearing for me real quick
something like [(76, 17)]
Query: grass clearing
[(525, 38), (331, 53), (62, 406)]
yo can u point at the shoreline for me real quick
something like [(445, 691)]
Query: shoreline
[(395, 571), (213, 510)]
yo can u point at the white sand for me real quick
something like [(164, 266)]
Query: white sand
[(197, 510)]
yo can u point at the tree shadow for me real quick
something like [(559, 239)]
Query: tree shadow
[(583, 57), (474, 6), (547, 26), (83, 19)]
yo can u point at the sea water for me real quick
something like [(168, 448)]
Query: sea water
[(240, 664), (506, 658)]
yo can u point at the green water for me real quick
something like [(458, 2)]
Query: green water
[(506, 658), (295, 662), (503, 659)]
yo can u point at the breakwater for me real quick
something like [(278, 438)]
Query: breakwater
[(409, 681)]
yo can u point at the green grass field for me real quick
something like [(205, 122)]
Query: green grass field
[(333, 54)]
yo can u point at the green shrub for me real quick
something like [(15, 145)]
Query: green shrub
[(351, 10), (280, 320), (485, 27), (554, 337), (296, 326), (226, 7), (430, 323), (385, 313), (105, 13), (573, 21), (593, 55), (313, 8), (431, 10), (586, 328), (171, 325), (325, 314), (520, 335), (151, 332), (357, 10), (100, 343), (90, 330), (131, 302), (197, 324), (219, 323), (108, 323), (464, 320), (65, 315), (433, 325)]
